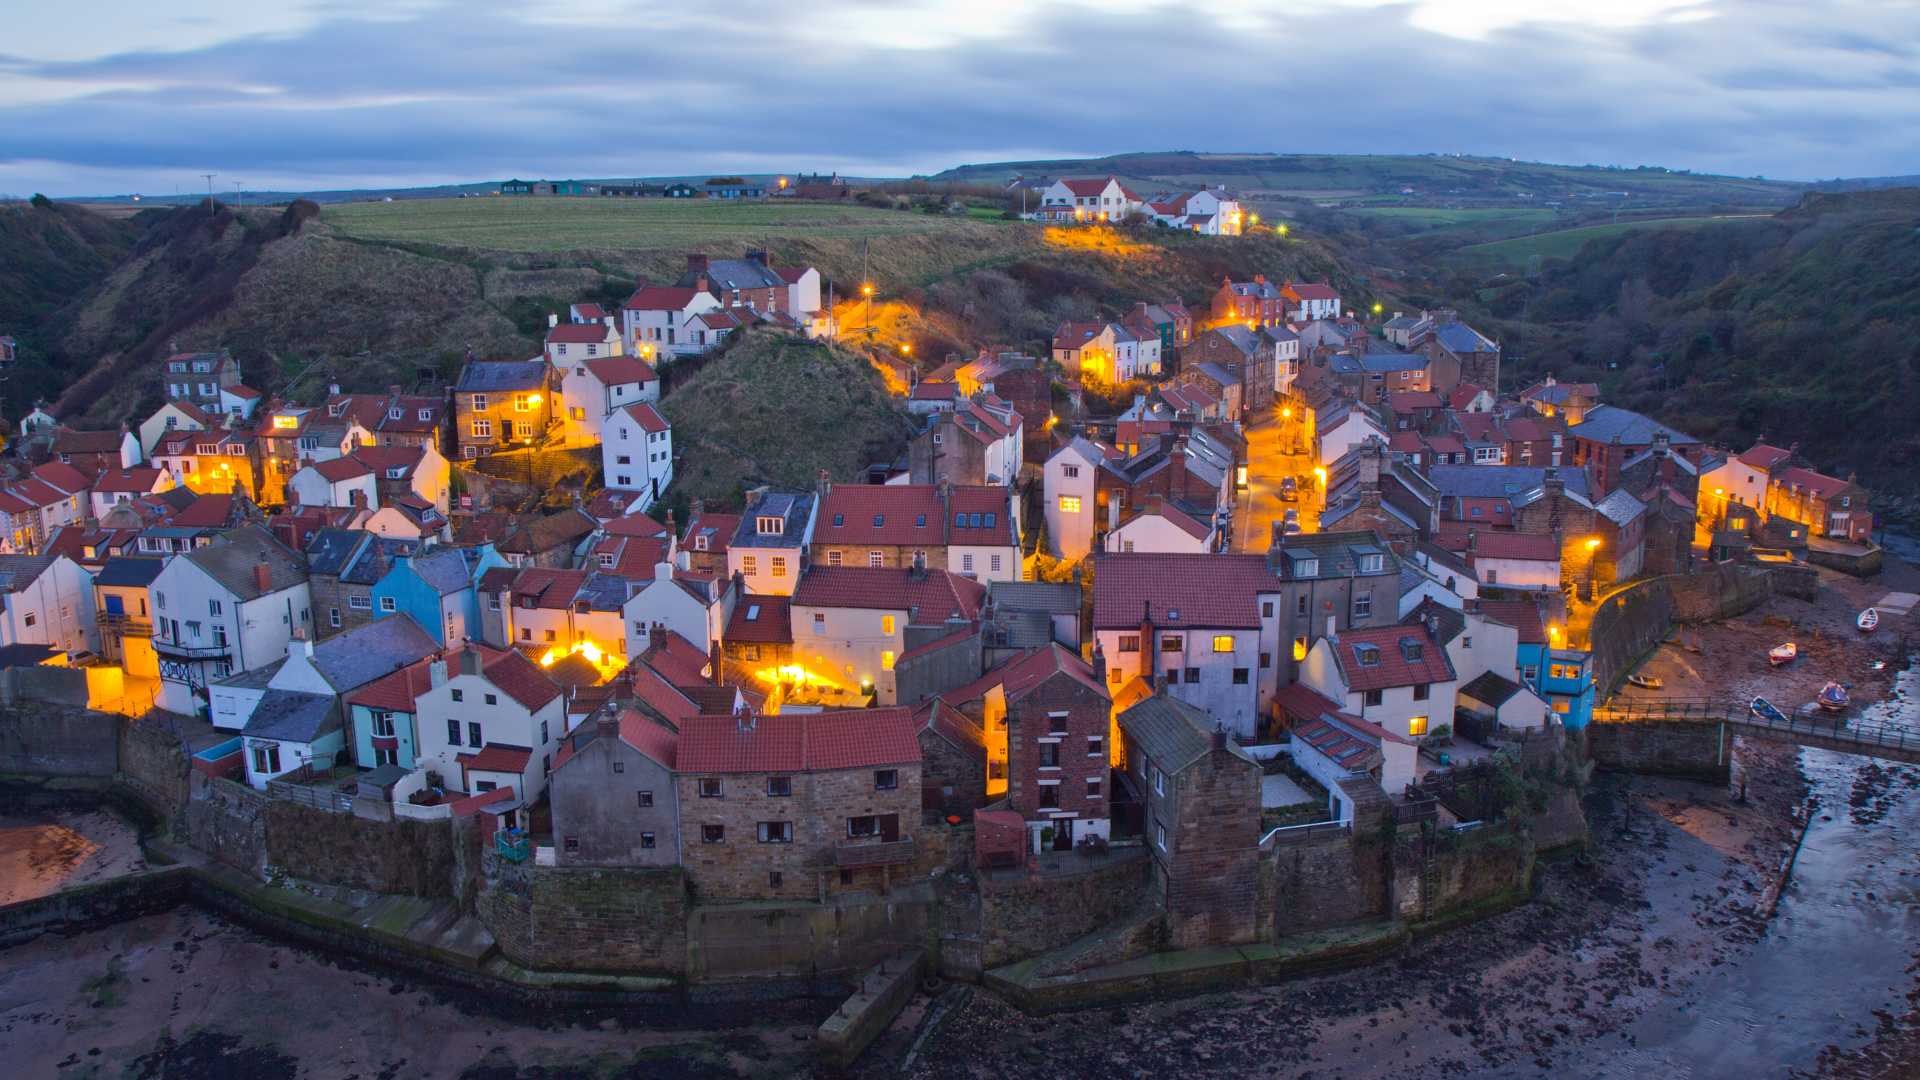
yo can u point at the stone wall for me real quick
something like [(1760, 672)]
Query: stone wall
[(405, 856), (226, 821), (98, 904), (1031, 915), (1315, 878), (630, 920), (1688, 748), (1636, 619), (155, 764), (1478, 868), (48, 740), (773, 940)]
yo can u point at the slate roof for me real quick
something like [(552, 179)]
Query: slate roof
[(580, 333), (1499, 481), (356, 657), (293, 716), (124, 571), (1604, 422), (491, 376), (1461, 338), (230, 560), (1621, 507), (1174, 734), (1338, 554), (19, 571), (1490, 688), (1048, 597), (798, 742), (445, 570), (791, 506), (1386, 663)]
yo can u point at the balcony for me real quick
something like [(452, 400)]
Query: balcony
[(856, 854), (167, 647), (121, 624)]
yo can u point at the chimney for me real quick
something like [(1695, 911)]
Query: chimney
[(713, 661), (656, 636), (606, 724), (1099, 664), (919, 570), (437, 673), (357, 498), (469, 661), (1259, 279), (262, 577), (697, 264), (824, 483), (1219, 736), (1149, 653), (672, 530), (1472, 536), (700, 283), (552, 320), (764, 258), (1177, 468), (744, 721), (663, 571)]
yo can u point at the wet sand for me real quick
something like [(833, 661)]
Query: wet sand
[(41, 856)]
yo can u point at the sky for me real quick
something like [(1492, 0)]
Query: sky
[(313, 94)]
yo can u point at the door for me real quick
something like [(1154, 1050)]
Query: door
[(115, 605), (1063, 834), (889, 828)]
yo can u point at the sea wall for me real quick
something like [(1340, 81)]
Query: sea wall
[(50, 740), (587, 918), (1027, 916), (1687, 748), (848, 933)]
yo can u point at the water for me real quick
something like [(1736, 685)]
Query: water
[(1838, 948)]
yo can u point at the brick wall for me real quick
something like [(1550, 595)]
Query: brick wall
[(154, 763), (1030, 727), (740, 867), (1028, 916), (1213, 871), (629, 919)]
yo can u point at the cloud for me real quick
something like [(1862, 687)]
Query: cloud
[(343, 93)]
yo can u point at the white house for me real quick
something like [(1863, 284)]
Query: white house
[(173, 416), (341, 481), (224, 609), (1067, 486), (287, 730), (696, 607), (1160, 526), (850, 623), (1100, 199), (1308, 301), (1333, 746), (571, 342), (1512, 560), (490, 720), (421, 471), (593, 390), (655, 317), (1398, 677), (239, 401), (774, 533), (115, 486), (47, 600), (1209, 211), (637, 453), (1344, 426)]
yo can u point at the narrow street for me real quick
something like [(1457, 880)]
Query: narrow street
[(1271, 440)]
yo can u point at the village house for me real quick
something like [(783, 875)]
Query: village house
[(1200, 793), (614, 799), (1069, 495), (174, 416), (293, 436), (47, 600), (343, 481), (53, 497), (1086, 200), (223, 609), (343, 566), (851, 625), (974, 443), (501, 404), (759, 634), (488, 723), (799, 805), (532, 539), (1356, 760), (123, 613), (572, 343), (704, 543), (1208, 211), (1463, 352), (661, 322), (210, 461), (769, 546), (199, 378), (637, 454), (1570, 401), (1161, 525), (438, 588), (1306, 301), (96, 451), (594, 390), (393, 418), (1764, 477), (1251, 357), (1045, 719), (1608, 436), (697, 607), (1251, 304), (119, 486), (972, 531), (1398, 677), (1107, 352)]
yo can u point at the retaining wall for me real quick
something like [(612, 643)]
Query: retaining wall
[(1634, 620), (1687, 748), (99, 904), (587, 918), (50, 740), (1312, 879), (1029, 916), (849, 933)]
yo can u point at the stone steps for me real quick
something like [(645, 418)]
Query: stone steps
[(1112, 943)]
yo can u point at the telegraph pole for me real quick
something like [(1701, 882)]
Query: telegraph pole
[(209, 177)]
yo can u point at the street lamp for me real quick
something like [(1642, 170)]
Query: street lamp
[(1377, 309), (1593, 557), (1286, 412), (1281, 229)]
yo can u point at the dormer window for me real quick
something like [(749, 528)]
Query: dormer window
[(396, 413), (920, 521), (426, 414), (397, 474), (1411, 649), (206, 448), (1307, 568), (1372, 564), (768, 525), (700, 542), (606, 559), (338, 408), (1367, 655)]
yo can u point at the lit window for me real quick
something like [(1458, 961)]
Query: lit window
[(1416, 726), (886, 625), (1069, 504), (1223, 643), (1300, 648), (886, 660)]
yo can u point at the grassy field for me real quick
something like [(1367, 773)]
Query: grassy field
[(1434, 217), (1565, 243), (578, 224)]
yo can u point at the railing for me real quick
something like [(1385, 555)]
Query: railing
[(884, 853), (1865, 737), (513, 845), (1291, 833), (123, 624), (330, 800), (167, 647)]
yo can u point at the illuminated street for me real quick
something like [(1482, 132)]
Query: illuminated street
[(1270, 441)]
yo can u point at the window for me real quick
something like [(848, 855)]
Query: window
[(525, 402), (868, 825), (1049, 755), (1159, 783), (1069, 504), (333, 617), (473, 733), (573, 843), (886, 625), (819, 623), (876, 558), (1093, 788), (995, 561), (1422, 691), (1416, 726), (453, 733), (886, 660), (266, 759), (1130, 643), (779, 565), (1372, 564), (483, 429), (1223, 643), (360, 603), (1096, 746), (387, 604), (1170, 643), (425, 414), (544, 737), (32, 619), (459, 695), (1050, 796), (618, 766), (886, 779), (769, 525), (1300, 605), (493, 699), (713, 834), (1372, 698), (966, 563), (646, 840), (644, 799), (1160, 837), (833, 558), (1240, 676), (1363, 605), (776, 832), (1173, 676), (709, 787)]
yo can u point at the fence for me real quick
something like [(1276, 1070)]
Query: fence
[(1829, 732), (1298, 834), (316, 798)]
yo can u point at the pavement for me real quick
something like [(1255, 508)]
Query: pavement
[(1270, 440)]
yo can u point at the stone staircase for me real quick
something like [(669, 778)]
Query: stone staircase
[(1134, 934)]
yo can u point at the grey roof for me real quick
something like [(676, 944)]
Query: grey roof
[(602, 592), (350, 660), (231, 559), (1217, 374), (1021, 629), (1239, 337), (256, 679), (1499, 481), (734, 274), (1621, 507), (1461, 338), (445, 571), (332, 548), (372, 562), (794, 507), (1173, 733), (1451, 622), (294, 716), (1605, 423), (25, 655), (484, 376), (1337, 553), (1346, 506), (1052, 598), (19, 571), (126, 570), (1375, 362), (1490, 688), (1280, 333), (1404, 322)]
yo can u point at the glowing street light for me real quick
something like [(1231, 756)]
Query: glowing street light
[(1377, 308), (866, 288), (1281, 229), (1286, 412), (1593, 543)]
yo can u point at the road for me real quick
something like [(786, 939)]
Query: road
[(1270, 438)]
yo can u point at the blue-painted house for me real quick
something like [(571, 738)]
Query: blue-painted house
[(437, 589), (1566, 681)]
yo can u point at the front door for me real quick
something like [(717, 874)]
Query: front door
[(1063, 835)]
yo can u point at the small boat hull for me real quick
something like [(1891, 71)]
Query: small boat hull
[(1782, 654), (1832, 698), (1868, 622), (1763, 710)]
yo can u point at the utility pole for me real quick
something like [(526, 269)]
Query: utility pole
[(209, 177), (238, 197)]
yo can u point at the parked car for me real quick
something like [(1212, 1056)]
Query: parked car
[(1289, 490), (1290, 525)]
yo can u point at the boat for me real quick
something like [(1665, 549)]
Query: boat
[(1868, 621), (1782, 654), (1763, 710), (1833, 697), (1646, 682)]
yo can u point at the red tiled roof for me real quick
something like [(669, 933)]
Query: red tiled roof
[(633, 557), (660, 298), (931, 597), (1406, 442), (880, 514), (496, 758), (935, 391), (240, 391), (73, 441), (1819, 484), (580, 333), (1409, 400), (522, 680), (342, 468), (1764, 457), (658, 692), (382, 458), (1500, 544), (207, 511), (590, 311), (1085, 187), (722, 526), (547, 587), (1310, 290), (1447, 444), (634, 524), (648, 418), (1522, 615), (1391, 667), (1177, 517), (139, 481), (1461, 395), (799, 742), (63, 476), (618, 370), (1204, 591), (680, 661), (649, 738), (761, 620)]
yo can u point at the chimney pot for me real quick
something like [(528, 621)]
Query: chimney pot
[(436, 673), (552, 320)]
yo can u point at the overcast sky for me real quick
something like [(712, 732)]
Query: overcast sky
[(114, 96)]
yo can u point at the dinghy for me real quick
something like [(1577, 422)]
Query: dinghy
[(1833, 697), (1763, 709), (1868, 621), (1782, 654)]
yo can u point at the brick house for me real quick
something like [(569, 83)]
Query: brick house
[(1570, 401), (613, 795), (1201, 796), (953, 756), (1045, 717), (976, 442), (1609, 435), (798, 806), (852, 624), (1251, 355), (502, 403), (1252, 304), (704, 543), (1469, 354), (972, 531)]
